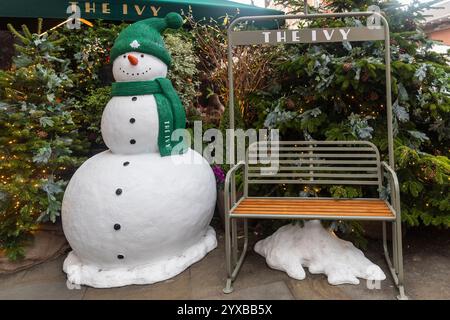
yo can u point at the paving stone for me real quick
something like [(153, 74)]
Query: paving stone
[(270, 291), (208, 275), (44, 281), (9, 280), (172, 289)]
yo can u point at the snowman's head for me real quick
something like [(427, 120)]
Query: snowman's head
[(137, 66), (139, 53)]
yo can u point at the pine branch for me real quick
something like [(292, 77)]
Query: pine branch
[(39, 28), (17, 34), (27, 32)]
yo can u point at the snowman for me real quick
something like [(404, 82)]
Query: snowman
[(139, 212)]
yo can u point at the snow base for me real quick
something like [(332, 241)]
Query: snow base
[(90, 275), (318, 249)]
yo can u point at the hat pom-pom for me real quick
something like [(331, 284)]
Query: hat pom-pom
[(174, 20)]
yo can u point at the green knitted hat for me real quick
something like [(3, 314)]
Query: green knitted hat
[(145, 36)]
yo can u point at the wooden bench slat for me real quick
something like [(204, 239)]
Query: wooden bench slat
[(319, 207), (336, 214), (323, 207), (315, 200)]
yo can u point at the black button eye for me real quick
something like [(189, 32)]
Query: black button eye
[(117, 226), (126, 163), (142, 55), (119, 192), (132, 141), (132, 120), (124, 56), (120, 257), (134, 98)]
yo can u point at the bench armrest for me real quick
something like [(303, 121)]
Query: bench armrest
[(227, 186), (395, 188)]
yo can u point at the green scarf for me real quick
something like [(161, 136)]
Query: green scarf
[(171, 112)]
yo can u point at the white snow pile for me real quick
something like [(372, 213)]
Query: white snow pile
[(318, 249)]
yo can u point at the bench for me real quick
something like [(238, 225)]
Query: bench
[(313, 163)]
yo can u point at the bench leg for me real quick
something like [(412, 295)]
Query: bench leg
[(396, 269), (394, 247), (400, 274), (231, 250), (234, 241), (228, 287)]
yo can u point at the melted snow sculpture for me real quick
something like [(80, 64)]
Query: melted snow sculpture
[(136, 213), (318, 249)]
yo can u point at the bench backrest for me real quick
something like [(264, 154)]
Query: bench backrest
[(313, 162)]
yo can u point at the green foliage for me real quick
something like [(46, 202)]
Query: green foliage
[(88, 115), (183, 71), (88, 50), (345, 192), (38, 138)]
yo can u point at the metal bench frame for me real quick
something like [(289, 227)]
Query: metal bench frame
[(234, 260)]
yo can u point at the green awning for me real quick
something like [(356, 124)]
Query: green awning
[(129, 10)]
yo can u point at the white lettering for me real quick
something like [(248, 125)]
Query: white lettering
[(313, 36), (139, 10), (344, 34), (327, 35), (281, 36), (266, 36), (295, 36), (155, 10)]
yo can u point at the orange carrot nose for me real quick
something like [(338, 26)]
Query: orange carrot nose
[(133, 60)]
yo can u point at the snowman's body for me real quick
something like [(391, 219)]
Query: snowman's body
[(130, 215), (131, 117)]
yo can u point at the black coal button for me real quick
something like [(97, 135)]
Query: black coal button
[(117, 226), (132, 141), (120, 257), (126, 163), (119, 192), (132, 120)]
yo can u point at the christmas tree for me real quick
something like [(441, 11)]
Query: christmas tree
[(38, 138)]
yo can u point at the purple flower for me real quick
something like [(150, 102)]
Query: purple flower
[(219, 173)]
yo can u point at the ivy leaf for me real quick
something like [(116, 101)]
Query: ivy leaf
[(358, 74), (402, 93), (43, 154), (51, 97), (3, 105), (418, 135), (51, 187), (46, 121), (400, 112), (421, 72), (347, 45), (22, 61), (360, 126), (314, 112)]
